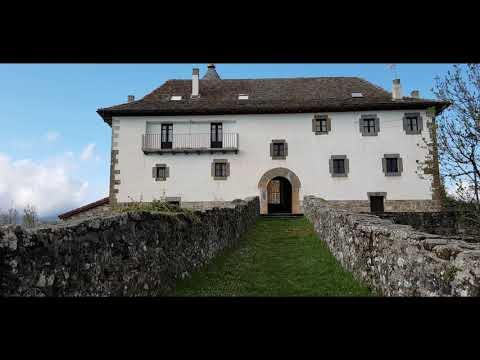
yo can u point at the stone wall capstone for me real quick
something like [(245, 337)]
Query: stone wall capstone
[(395, 259), (125, 254)]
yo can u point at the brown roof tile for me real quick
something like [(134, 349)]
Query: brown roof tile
[(283, 95), (84, 208)]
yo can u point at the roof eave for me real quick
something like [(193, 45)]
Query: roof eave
[(107, 114)]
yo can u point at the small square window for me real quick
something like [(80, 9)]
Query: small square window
[(220, 169), (278, 149), (369, 125), (339, 166), (392, 165), (412, 123), (160, 172), (321, 124)]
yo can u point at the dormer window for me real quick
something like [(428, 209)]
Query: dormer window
[(243, 97), (176, 97)]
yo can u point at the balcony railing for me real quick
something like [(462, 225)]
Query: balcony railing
[(190, 143)]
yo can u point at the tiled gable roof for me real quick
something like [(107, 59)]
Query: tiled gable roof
[(282, 95)]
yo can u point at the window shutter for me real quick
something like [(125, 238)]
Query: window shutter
[(420, 123), (213, 169), (285, 146), (400, 165), (405, 124), (271, 149), (347, 166), (167, 172), (377, 125), (384, 165), (227, 170), (314, 121), (360, 122), (154, 172), (330, 166), (329, 124)]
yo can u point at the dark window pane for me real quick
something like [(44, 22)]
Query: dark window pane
[(338, 166), (369, 125), (278, 149), (321, 125), (413, 123), (220, 169), (392, 165), (161, 172)]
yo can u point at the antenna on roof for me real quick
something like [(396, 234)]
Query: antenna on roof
[(393, 67)]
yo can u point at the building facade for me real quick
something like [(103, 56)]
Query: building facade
[(201, 143)]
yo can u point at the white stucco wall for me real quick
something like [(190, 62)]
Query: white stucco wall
[(308, 157)]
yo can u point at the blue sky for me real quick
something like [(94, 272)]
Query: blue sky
[(55, 149)]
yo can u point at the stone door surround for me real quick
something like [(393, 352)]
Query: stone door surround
[(287, 174)]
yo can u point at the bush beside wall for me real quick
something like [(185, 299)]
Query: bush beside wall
[(395, 259), (127, 254)]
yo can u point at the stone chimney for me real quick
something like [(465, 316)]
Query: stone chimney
[(131, 98), (397, 90), (211, 73), (195, 82), (415, 94)]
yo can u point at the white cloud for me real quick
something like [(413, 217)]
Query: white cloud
[(48, 185), (87, 152), (52, 136)]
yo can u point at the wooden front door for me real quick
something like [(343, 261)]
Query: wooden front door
[(216, 135)]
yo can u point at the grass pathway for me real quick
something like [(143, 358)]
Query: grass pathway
[(277, 257)]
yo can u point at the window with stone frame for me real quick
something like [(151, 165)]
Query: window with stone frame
[(278, 149), (321, 124), (220, 169), (339, 166), (369, 125), (412, 123), (392, 165), (160, 172)]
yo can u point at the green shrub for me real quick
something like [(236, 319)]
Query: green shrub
[(154, 206)]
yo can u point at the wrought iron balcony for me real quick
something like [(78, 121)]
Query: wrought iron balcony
[(190, 143)]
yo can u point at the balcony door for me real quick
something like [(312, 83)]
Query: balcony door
[(167, 136), (216, 135)]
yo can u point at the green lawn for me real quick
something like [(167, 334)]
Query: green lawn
[(277, 257)]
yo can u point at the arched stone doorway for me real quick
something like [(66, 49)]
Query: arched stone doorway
[(287, 176)]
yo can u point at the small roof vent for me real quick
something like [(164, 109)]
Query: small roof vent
[(242, 97), (357, 95), (176, 97)]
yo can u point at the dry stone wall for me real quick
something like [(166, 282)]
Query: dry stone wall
[(127, 254), (395, 259)]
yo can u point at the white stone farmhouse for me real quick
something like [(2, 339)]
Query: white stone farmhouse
[(203, 142)]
